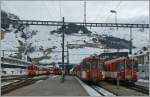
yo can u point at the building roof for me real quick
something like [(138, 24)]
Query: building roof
[(141, 52)]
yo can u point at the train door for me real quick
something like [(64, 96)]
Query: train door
[(93, 71), (114, 70), (128, 70), (85, 70), (101, 71)]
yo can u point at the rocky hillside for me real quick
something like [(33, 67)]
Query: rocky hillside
[(106, 41)]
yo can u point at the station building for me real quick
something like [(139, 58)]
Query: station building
[(143, 59)]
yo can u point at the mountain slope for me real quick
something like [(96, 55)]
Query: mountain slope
[(43, 43)]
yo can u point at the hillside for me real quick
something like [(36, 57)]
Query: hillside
[(43, 43)]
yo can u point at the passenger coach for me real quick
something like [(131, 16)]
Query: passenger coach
[(123, 69), (91, 69)]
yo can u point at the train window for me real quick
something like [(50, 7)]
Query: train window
[(31, 68), (83, 65), (120, 66), (135, 66), (128, 66), (93, 65), (101, 66), (86, 66)]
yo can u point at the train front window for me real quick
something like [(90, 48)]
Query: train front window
[(101, 66), (93, 65), (120, 67)]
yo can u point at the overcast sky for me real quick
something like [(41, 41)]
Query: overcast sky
[(97, 11)]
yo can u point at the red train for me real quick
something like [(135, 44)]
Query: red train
[(123, 69), (56, 70), (97, 69), (33, 70), (90, 69)]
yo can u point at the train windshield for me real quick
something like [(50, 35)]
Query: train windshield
[(93, 65), (120, 67), (86, 66)]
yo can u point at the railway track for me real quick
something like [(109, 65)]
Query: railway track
[(139, 88), (102, 91), (13, 77), (20, 83)]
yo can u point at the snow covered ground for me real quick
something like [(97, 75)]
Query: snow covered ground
[(46, 39), (7, 83), (13, 71), (142, 80)]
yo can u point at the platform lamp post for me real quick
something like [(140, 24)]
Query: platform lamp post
[(115, 12)]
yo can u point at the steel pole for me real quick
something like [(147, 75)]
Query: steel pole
[(130, 50), (116, 19), (63, 39), (67, 54), (3, 53)]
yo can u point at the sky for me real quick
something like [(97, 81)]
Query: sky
[(97, 11)]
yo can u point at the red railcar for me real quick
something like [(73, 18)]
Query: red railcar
[(77, 70), (45, 71), (50, 70), (123, 69), (91, 69), (56, 70), (33, 70)]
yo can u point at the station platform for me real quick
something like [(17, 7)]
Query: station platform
[(52, 87)]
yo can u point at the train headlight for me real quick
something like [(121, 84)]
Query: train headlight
[(83, 74), (103, 74)]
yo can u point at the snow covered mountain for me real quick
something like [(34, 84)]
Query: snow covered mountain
[(40, 43)]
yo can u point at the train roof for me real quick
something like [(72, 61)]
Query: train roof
[(107, 56), (91, 57), (118, 59), (110, 54)]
